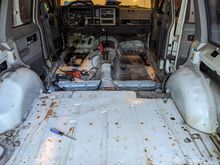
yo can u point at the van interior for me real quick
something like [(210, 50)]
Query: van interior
[(112, 82)]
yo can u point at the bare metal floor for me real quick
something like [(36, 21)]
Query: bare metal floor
[(131, 67), (110, 128)]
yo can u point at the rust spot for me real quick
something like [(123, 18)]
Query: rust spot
[(49, 140), (60, 141), (50, 112), (53, 104), (45, 97), (71, 130), (149, 161)]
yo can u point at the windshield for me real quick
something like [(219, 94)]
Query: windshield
[(139, 3)]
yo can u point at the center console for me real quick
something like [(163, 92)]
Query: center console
[(104, 16)]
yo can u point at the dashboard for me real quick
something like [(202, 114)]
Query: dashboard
[(114, 19), (93, 15)]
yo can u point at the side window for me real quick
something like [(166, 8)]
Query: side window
[(213, 12), (22, 12)]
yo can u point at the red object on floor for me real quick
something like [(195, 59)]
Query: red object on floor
[(75, 74)]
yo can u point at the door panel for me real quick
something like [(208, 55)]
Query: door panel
[(30, 50), (17, 25)]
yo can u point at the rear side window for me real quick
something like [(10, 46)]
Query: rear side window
[(213, 11), (22, 12)]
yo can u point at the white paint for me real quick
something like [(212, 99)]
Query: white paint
[(131, 131), (179, 31), (16, 13), (194, 99), (17, 93)]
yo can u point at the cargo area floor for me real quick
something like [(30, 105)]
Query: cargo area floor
[(109, 128)]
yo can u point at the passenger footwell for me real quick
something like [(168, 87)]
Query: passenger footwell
[(109, 128)]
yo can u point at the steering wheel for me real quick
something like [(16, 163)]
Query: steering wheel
[(78, 7)]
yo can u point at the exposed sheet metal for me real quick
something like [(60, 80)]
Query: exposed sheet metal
[(17, 93), (131, 67), (137, 85), (105, 76), (194, 99), (79, 85), (110, 128)]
